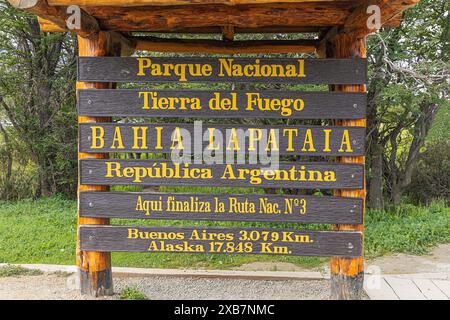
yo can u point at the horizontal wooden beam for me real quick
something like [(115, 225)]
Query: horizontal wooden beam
[(135, 3), (224, 47), (391, 10), (163, 18), (58, 16), (48, 26)]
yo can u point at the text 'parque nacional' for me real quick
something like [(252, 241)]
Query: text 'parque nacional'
[(155, 69)]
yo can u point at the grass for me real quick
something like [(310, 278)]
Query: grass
[(44, 231), (407, 229), (132, 293), (14, 271)]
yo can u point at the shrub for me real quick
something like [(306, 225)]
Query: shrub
[(431, 178)]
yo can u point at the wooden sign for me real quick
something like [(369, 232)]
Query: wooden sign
[(219, 240), (222, 104), (161, 172), (263, 208), (156, 69), (165, 138)]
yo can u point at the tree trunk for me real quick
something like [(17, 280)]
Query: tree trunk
[(396, 194), (376, 200), (9, 162)]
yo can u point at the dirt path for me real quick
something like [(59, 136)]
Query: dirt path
[(438, 261)]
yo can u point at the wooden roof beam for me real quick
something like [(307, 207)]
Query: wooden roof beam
[(58, 16), (137, 3), (390, 11), (224, 47), (164, 19), (48, 26), (356, 23), (228, 33)]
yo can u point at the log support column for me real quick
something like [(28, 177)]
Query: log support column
[(347, 274), (95, 267)]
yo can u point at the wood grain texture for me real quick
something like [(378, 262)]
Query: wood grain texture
[(154, 44), (135, 172), (48, 26), (390, 10), (160, 239), (162, 138), (95, 267), (261, 208), (317, 71), (165, 18), (317, 105), (135, 3), (88, 26), (348, 274)]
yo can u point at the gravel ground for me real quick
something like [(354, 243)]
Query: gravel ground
[(159, 288), (57, 286)]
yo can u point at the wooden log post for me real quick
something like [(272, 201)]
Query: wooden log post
[(347, 274), (94, 267)]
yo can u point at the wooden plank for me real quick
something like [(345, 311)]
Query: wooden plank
[(444, 286), (257, 104), (429, 289), (220, 240), (182, 70), (383, 292), (162, 172), (405, 289), (267, 208), (240, 139)]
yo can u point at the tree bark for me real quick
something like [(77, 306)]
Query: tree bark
[(376, 199)]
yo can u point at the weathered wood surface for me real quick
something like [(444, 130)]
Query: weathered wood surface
[(357, 22), (263, 208), (154, 44), (136, 3), (88, 26), (242, 139), (316, 105), (220, 240), (162, 172), (309, 71), (347, 275), (95, 267), (164, 18)]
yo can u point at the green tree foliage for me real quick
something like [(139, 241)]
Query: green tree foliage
[(37, 99), (431, 177), (408, 85)]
